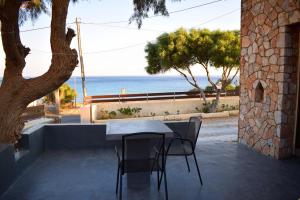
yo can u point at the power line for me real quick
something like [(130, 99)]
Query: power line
[(153, 16), (123, 21), (156, 30), (138, 44), (41, 28), (116, 49), (93, 52), (35, 29), (220, 16), (121, 27), (197, 6)]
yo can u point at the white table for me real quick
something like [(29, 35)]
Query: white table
[(115, 130)]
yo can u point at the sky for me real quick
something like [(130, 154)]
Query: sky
[(118, 49)]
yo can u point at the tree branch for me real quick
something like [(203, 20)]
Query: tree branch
[(12, 46), (186, 77), (194, 83), (237, 71), (69, 36), (205, 66), (64, 59), (193, 78)]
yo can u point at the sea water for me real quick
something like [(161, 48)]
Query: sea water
[(103, 85)]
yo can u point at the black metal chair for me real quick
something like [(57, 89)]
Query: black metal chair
[(184, 144), (138, 156)]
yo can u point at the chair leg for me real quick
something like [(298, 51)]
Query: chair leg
[(117, 186), (158, 179), (155, 159), (166, 185), (197, 168), (162, 173), (120, 195), (187, 163)]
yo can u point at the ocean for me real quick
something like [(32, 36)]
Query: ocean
[(102, 85)]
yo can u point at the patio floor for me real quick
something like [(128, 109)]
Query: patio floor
[(229, 171)]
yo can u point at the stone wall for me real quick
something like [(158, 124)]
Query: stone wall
[(269, 57)]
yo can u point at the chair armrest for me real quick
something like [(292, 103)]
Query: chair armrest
[(117, 153), (177, 134), (182, 141)]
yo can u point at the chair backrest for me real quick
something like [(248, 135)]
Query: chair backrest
[(137, 150), (193, 129)]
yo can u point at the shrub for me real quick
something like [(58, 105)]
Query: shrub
[(66, 95), (112, 114), (209, 88), (104, 114), (230, 87), (206, 107), (129, 111)]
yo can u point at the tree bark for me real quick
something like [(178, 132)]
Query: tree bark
[(193, 83), (15, 91)]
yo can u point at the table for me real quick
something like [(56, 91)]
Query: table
[(115, 130)]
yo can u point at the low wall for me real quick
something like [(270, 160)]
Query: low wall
[(49, 137), (12, 163), (159, 107)]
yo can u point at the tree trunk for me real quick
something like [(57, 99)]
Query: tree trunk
[(202, 94), (15, 91), (215, 104), (11, 109)]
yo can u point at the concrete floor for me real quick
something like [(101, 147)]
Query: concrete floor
[(66, 119), (217, 129), (229, 171)]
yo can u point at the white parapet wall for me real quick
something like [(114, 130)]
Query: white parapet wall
[(152, 108)]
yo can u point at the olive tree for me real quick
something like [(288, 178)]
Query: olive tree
[(16, 92)]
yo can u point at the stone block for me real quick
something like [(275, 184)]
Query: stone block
[(273, 60)]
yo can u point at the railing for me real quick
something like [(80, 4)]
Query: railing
[(152, 96)]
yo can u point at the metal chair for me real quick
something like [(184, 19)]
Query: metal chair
[(138, 156), (184, 145)]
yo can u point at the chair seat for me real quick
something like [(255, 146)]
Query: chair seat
[(180, 149), (140, 165)]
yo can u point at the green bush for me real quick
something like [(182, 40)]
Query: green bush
[(209, 88), (104, 114), (206, 107), (112, 114), (66, 93), (230, 87), (129, 111)]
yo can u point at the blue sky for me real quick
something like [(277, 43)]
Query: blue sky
[(105, 39)]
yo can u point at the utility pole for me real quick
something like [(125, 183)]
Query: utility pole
[(81, 59), (75, 87)]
